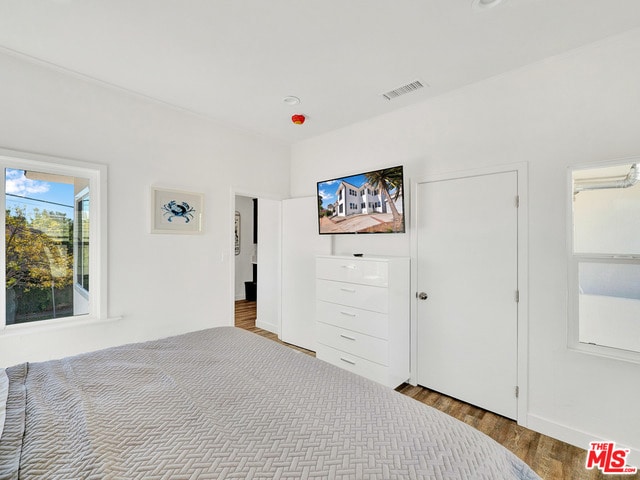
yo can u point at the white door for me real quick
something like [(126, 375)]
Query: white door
[(467, 265), (269, 249), (301, 242)]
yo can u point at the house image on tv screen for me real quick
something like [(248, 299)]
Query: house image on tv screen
[(371, 202)]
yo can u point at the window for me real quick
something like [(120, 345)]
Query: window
[(605, 259), (55, 239)]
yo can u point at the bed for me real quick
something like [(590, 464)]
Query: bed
[(225, 403)]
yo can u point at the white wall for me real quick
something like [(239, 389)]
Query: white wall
[(577, 108), (159, 284)]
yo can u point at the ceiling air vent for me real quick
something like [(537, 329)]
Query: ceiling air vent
[(408, 88)]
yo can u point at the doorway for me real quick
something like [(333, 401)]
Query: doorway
[(246, 260), (256, 266), (468, 323)]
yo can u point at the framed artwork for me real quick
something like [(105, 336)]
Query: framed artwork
[(237, 233), (176, 211)]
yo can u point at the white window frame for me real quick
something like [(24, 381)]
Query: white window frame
[(97, 176), (573, 262), (84, 193)]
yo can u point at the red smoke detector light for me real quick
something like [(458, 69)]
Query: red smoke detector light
[(298, 119)]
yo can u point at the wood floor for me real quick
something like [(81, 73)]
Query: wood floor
[(551, 459)]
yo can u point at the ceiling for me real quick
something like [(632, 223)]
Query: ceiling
[(235, 60)]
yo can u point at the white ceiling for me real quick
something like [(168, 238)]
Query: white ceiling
[(235, 60)]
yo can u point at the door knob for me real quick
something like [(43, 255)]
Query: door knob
[(422, 296)]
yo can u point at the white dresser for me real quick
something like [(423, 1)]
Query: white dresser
[(362, 315)]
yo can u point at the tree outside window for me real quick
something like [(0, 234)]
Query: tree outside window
[(39, 245)]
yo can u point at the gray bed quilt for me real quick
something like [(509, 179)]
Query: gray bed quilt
[(227, 404)]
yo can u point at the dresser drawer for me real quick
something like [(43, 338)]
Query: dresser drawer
[(362, 315), (366, 272), (359, 296), (370, 323), (354, 364), (358, 344)]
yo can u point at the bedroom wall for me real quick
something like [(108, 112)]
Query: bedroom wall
[(574, 109), (158, 284)]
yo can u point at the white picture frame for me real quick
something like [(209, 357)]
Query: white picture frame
[(176, 211)]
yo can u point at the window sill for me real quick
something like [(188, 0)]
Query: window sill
[(54, 324), (606, 352), (81, 291)]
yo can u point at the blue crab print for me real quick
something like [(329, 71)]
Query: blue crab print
[(181, 210)]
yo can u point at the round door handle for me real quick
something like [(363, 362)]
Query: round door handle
[(422, 296)]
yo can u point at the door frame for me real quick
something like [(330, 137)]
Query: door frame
[(521, 170), (230, 251)]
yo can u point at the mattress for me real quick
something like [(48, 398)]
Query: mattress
[(225, 403)]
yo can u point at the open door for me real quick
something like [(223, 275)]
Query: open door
[(301, 242), (269, 262)]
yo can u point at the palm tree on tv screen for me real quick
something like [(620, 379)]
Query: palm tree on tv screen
[(387, 180)]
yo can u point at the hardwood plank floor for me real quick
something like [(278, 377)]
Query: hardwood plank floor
[(550, 458)]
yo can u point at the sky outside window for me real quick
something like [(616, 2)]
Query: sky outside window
[(43, 195)]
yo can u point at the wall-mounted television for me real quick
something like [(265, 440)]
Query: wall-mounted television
[(369, 202)]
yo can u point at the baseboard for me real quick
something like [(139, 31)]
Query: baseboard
[(576, 437), (269, 327)]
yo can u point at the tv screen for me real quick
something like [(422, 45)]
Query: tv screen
[(370, 202)]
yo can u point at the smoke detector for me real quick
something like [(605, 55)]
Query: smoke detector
[(485, 4), (291, 100)]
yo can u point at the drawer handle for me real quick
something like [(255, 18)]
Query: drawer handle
[(347, 361), (347, 337), (347, 314), (350, 267), (350, 290)]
